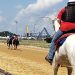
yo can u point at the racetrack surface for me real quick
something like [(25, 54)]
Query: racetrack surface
[(26, 61)]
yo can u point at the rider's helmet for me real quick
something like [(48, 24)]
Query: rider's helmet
[(71, 1)]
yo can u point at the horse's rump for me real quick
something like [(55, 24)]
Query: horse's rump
[(15, 42)]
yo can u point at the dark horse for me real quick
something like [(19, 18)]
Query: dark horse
[(12, 42), (9, 42), (15, 42)]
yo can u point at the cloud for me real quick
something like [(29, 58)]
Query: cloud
[(35, 8), (2, 19), (41, 4), (31, 14)]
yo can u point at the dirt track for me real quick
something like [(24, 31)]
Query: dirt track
[(26, 61)]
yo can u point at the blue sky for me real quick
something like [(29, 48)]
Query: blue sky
[(28, 12)]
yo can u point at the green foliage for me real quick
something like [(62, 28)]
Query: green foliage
[(5, 33)]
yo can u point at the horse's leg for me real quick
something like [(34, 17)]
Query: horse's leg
[(8, 46), (16, 46), (73, 69), (55, 69), (56, 63), (12, 45), (69, 69), (7, 43)]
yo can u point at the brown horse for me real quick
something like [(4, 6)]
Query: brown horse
[(15, 42)]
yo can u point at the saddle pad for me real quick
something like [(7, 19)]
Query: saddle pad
[(61, 40)]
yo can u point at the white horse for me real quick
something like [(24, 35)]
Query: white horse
[(65, 54)]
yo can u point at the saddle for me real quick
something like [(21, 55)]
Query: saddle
[(62, 39)]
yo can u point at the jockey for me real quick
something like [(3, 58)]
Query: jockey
[(16, 37), (66, 19)]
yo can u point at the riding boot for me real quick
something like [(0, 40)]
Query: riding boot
[(51, 53)]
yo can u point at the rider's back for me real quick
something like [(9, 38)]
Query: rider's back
[(69, 14)]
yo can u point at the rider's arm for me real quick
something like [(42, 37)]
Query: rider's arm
[(59, 21), (59, 17)]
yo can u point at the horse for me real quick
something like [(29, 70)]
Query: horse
[(65, 54), (12, 42), (9, 43), (15, 42)]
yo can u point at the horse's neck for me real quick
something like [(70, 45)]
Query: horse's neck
[(56, 25)]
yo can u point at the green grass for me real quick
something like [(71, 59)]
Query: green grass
[(37, 43), (3, 41)]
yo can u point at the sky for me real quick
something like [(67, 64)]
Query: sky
[(15, 15)]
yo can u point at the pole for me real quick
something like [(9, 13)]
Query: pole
[(16, 26), (34, 28)]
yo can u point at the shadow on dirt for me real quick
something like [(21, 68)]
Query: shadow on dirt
[(3, 72)]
